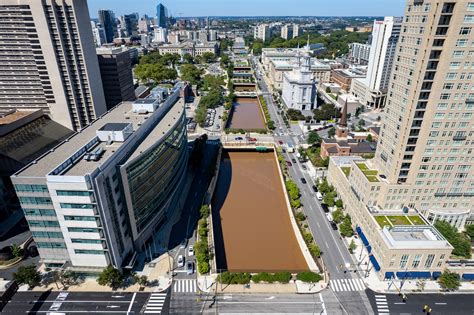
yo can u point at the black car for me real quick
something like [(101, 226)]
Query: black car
[(303, 180), (325, 208), (334, 225), (293, 160), (315, 189)]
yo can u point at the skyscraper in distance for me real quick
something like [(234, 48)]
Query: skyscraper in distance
[(109, 24), (161, 15), (49, 62)]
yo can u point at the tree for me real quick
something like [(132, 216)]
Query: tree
[(460, 242), (111, 277), (324, 187), (449, 280), (155, 72), (329, 199), (188, 58), (190, 73), (141, 280), (470, 230), (257, 47), (326, 112), (338, 215), (294, 114), (224, 60), (66, 278), (314, 138), (369, 138), (332, 132), (346, 227), (328, 90), (352, 246), (27, 275), (208, 57), (17, 251)]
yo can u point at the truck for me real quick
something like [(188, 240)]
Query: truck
[(290, 148)]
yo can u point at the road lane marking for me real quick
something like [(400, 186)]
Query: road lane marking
[(131, 302), (322, 304), (441, 303)]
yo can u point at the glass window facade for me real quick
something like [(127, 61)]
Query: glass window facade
[(76, 205), (35, 200), (73, 193), (89, 251), (155, 175), (85, 241), (78, 218), (35, 223), (47, 234), (83, 230), (39, 212), (31, 188), (50, 245)]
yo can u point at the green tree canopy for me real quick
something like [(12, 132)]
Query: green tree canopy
[(208, 57), (470, 230), (449, 280), (346, 227), (212, 82), (338, 215), (314, 138), (27, 275), (326, 112), (110, 277), (191, 73), (460, 242), (187, 58)]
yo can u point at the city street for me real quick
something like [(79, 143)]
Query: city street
[(77, 302), (334, 252)]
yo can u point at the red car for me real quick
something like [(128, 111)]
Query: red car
[(280, 142), (288, 163), (251, 139)]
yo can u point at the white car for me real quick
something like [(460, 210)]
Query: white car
[(191, 251), (180, 261)]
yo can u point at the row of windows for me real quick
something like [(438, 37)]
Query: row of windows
[(43, 223), (47, 234), (83, 230), (76, 205), (78, 218), (73, 193), (89, 251), (85, 241), (41, 212), (50, 245), (35, 200), (31, 188)]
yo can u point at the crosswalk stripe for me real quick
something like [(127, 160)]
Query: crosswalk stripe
[(334, 284), (347, 284), (343, 284), (351, 285), (380, 296), (185, 286), (360, 284)]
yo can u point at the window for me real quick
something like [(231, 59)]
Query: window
[(403, 261), (458, 54), (442, 106), (31, 188), (445, 96), (470, 7), (78, 218), (416, 261), (451, 76), (73, 193), (50, 245), (88, 251), (461, 42), (43, 223), (469, 19), (47, 234), (83, 230), (85, 241), (76, 205), (35, 200), (40, 212), (465, 31), (454, 65), (448, 86)]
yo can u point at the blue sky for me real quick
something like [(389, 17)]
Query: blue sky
[(254, 7)]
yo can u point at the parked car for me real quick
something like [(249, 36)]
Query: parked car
[(304, 167), (334, 225), (293, 160), (239, 138), (183, 243), (318, 194), (180, 261), (190, 268), (280, 142), (288, 163), (325, 208), (303, 180), (191, 250), (315, 189)]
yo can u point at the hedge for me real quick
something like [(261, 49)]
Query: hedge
[(234, 277), (308, 276), (281, 277)]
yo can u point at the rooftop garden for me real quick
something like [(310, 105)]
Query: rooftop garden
[(346, 170), (392, 220), (370, 174)]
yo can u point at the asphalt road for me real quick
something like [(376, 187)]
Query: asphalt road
[(77, 302), (335, 253), (440, 304)]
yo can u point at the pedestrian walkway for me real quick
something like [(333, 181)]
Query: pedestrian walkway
[(341, 285), (184, 285), (382, 305), (155, 303)]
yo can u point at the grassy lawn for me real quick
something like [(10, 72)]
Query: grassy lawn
[(416, 220), (346, 170), (362, 166), (398, 220), (382, 221), (370, 174), (372, 179)]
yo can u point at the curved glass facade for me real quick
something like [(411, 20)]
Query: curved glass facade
[(154, 175)]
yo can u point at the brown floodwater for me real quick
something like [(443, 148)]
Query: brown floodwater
[(252, 228), (246, 114)]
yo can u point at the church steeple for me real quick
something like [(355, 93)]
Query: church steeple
[(343, 120), (341, 129)]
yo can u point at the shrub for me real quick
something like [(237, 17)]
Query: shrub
[(281, 277), (300, 216), (203, 267), (202, 232), (314, 250), (234, 277), (308, 238), (204, 211), (449, 280), (308, 276), (202, 223)]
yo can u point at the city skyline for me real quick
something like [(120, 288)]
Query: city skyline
[(187, 8)]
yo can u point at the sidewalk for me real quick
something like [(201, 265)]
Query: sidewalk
[(370, 277)]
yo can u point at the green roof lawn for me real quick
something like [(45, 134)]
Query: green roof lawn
[(370, 174), (346, 170), (392, 220)]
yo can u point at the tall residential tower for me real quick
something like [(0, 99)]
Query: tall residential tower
[(49, 62)]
